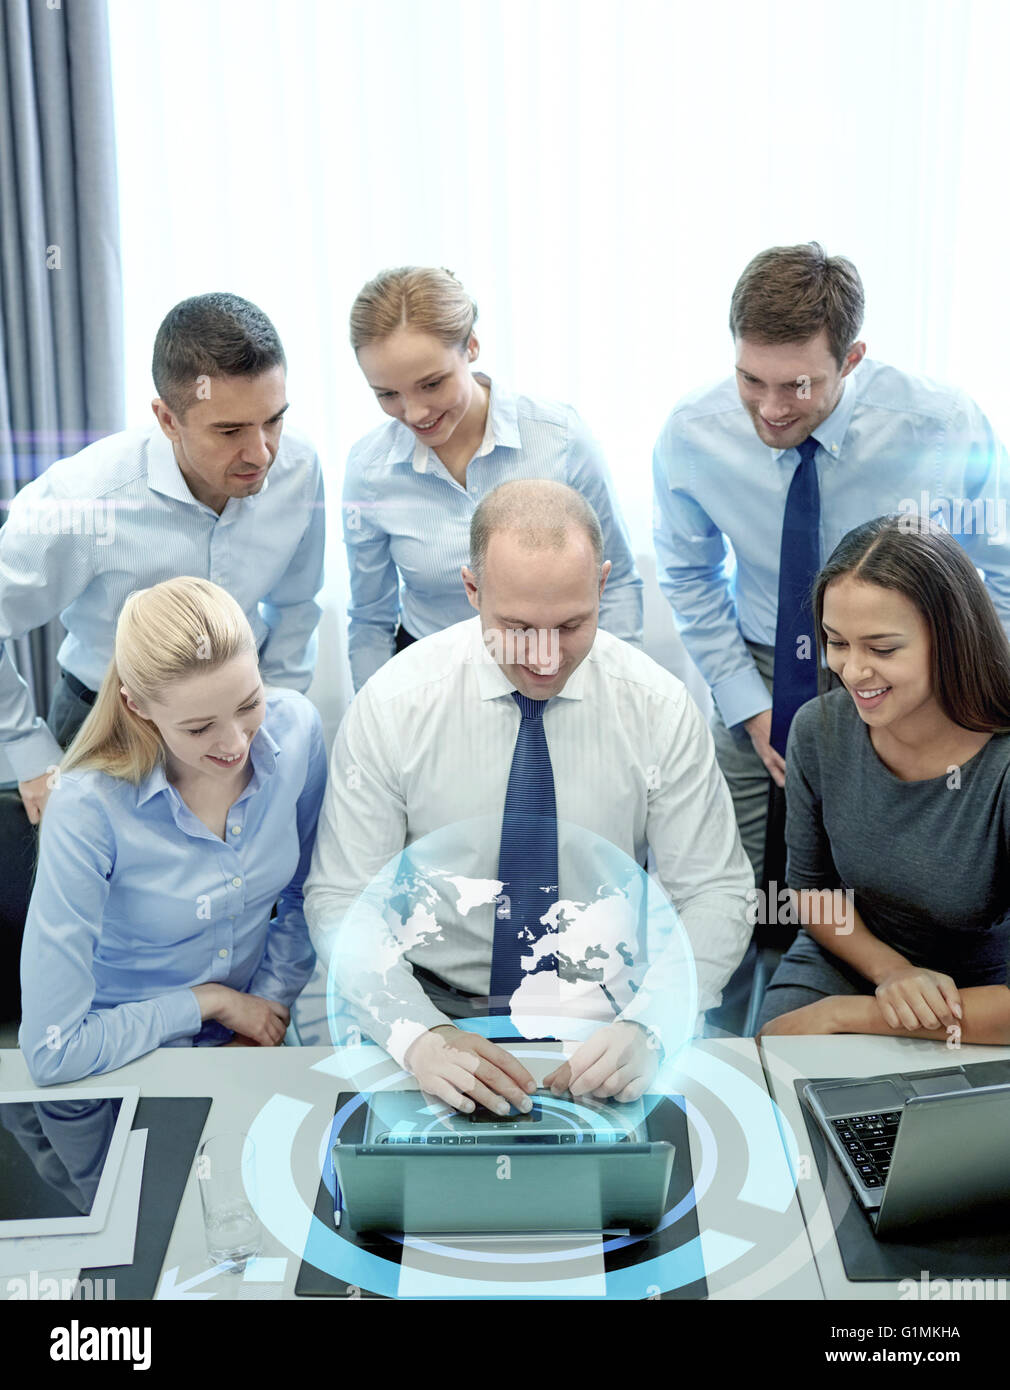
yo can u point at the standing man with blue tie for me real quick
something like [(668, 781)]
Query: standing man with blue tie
[(212, 490), (517, 732), (808, 439)]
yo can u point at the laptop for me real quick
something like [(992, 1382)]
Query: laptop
[(925, 1148), (407, 1164)]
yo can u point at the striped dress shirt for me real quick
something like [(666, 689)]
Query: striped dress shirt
[(117, 517), (893, 443), (407, 521)]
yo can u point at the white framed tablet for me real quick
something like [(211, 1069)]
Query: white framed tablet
[(60, 1155)]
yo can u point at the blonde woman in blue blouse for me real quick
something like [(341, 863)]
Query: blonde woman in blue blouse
[(184, 810), (412, 484)]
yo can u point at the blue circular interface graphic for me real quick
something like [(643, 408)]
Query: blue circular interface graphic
[(754, 1185)]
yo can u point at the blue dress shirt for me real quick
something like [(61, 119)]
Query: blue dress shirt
[(117, 517), (894, 442), (407, 521), (136, 901)]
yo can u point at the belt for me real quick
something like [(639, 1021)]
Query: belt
[(428, 977), (482, 1003), (79, 689)]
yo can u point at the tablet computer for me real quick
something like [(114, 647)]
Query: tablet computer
[(60, 1155)]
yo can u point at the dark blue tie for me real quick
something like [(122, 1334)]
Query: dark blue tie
[(795, 680), (528, 859)]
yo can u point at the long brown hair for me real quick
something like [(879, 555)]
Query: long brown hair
[(969, 651)]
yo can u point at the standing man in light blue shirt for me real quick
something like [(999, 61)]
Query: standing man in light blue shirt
[(413, 484), (880, 441), (213, 489)]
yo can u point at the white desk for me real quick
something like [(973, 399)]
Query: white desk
[(785, 1060), (753, 1239)]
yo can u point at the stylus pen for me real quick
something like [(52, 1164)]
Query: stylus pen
[(338, 1203)]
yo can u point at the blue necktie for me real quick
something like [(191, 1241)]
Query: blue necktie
[(795, 679), (528, 859)]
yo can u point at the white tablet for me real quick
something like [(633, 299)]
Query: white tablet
[(60, 1154)]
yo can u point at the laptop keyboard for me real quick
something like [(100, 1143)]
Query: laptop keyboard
[(868, 1142)]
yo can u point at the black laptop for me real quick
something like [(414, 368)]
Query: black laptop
[(926, 1148)]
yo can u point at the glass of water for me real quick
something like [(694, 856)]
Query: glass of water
[(226, 1169)]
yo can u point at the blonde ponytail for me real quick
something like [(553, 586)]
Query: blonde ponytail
[(179, 628)]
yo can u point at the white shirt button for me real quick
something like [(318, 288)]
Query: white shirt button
[(222, 953), (236, 883), (236, 830)]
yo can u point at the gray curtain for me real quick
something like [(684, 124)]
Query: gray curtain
[(61, 319)]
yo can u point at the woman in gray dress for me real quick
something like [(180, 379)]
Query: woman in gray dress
[(898, 796)]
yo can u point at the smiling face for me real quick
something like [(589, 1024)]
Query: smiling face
[(788, 389), (878, 645), (554, 593), (207, 722), (226, 441), (424, 383)]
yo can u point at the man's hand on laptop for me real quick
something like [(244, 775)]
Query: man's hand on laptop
[(913, 997), (463, 1068), (619, 1061)]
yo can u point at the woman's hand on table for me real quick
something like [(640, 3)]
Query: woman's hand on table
[(826, 1016), (913, 997), (263, 1022), (855, 1013)]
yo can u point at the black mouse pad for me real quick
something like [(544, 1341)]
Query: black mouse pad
[(973, 1254), (372, 1260)]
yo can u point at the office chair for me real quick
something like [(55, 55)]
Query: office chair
[(17, 874)]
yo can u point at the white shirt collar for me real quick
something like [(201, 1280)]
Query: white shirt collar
[(165, 476), (830, 433), (500, 429)]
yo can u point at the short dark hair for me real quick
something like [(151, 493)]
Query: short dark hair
[(969, 651), (787, 294), (211, 335)]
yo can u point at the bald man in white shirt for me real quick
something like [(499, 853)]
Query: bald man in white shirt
[(429, 742)]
